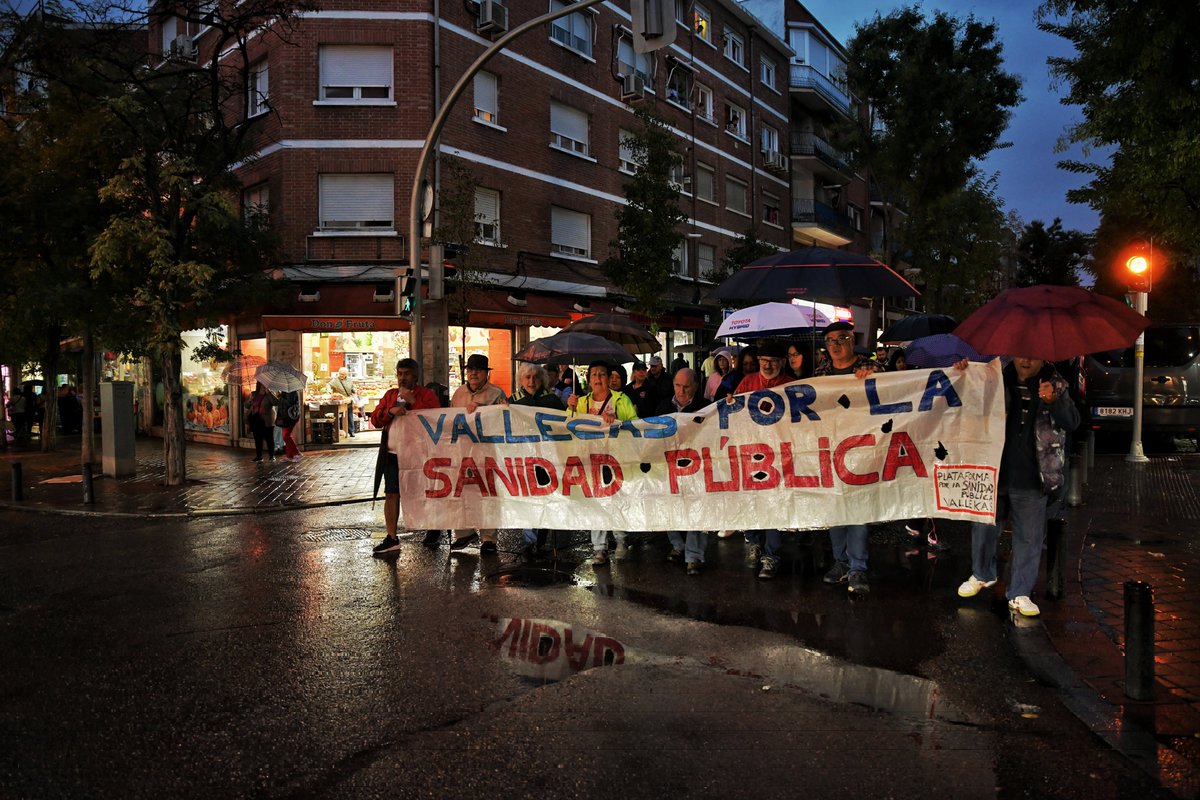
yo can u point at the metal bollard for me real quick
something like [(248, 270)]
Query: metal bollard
[(1139, 641), (1056, 556), (1075, 488), (89, 496), (17, 490), (1081, 451)]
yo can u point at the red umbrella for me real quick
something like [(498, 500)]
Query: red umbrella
[(1052, 323)]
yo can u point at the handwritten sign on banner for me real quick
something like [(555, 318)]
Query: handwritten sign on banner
[(809, 454)]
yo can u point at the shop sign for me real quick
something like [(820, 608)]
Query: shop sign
[(333, 324), (485, 319)]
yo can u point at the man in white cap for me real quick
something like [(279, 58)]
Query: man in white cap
[(477, 391)]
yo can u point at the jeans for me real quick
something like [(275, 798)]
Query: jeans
[(692, 543), (1027, 510), (850, 546), (774, 541), (600, 539)]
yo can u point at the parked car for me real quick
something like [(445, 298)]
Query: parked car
[(1171, 384)]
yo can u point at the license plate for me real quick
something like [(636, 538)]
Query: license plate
[(1112, 411)]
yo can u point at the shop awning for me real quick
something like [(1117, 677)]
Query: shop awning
[(336, 323), (492, 309)]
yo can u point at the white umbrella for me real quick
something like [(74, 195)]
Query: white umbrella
[(280, 377), (771, 319)]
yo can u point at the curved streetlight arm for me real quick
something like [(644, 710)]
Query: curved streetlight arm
[(435, 130)]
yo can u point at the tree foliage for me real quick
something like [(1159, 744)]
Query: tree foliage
[(965, 244), (1133, 73), (1051, 254), (648, 224), (175, 242), (936, 98)]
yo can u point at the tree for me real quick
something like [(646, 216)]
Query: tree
[(177, 242), (935, 99), (1133, 73), (965, 247), (1051, 254), (746, 248), (648, 224)]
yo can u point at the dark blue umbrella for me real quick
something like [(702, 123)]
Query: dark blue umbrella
[(939, 350), (814, 272), (918, 325)]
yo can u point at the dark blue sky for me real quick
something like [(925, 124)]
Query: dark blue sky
[(1029, 180)]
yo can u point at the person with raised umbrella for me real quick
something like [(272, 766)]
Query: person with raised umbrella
[(1039, 415), (849, 542)]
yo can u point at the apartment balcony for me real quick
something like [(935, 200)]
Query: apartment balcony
[(817, 92), (812, 219), (818, 155)]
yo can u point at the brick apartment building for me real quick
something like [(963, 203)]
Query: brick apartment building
[(341, 109)]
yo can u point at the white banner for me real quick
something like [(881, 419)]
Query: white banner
[(809, 454)]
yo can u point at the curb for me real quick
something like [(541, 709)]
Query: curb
[(194, 514)]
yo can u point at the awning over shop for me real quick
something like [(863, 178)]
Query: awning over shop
[(492, 309), (314, 323)]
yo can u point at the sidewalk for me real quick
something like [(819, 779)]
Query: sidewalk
[(1137, 522), (221, 480)]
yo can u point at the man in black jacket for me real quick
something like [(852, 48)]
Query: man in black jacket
[(689, 545)]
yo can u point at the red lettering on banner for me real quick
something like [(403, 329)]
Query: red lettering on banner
[(543, 643), (839, 460), (574, 475), (535, 488), (607, 652), (513, 629), (520, 470), (442, 479), (577, 654), (790, 478), (767, 465), (894, 460), (825, 462), (599, 487), (492, 471), (713, 485), (469, 475), (676, 469)]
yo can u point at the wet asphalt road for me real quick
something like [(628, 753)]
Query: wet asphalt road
[(273, 657)]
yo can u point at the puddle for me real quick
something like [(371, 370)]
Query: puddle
[(548, 650)]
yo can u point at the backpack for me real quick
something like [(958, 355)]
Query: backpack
[(289, 407)]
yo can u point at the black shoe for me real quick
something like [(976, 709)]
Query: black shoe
[(388, 545), (488, 548), (256, 460), (459, 544), (432, 538)]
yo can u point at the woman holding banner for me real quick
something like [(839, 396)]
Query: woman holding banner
[(611, 406), (532, 391)]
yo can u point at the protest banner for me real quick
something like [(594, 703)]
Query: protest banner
[(810, 454)]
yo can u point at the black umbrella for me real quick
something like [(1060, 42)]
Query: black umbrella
[(617, 328), (569, 347), (918, 326), (814, 272)]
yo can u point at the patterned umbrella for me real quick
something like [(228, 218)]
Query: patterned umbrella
[(280, 377), (242, 370), (619, 329), (771, 319)]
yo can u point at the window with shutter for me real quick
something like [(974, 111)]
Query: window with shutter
[(735, 195), (351, 202), (706, 182), (257, 91), (568, 129), (487, 93), (354, 73), (570, 232), (487, 216), (626, 163), (706, 258), (573, 31)]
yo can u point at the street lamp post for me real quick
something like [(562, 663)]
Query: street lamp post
[(1140, 273)]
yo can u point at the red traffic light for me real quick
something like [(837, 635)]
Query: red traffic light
[(1137, 267)]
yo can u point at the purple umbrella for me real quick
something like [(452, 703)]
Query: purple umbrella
[(939, 350)]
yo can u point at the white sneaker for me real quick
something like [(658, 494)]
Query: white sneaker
[(296, 457), (973, 586), (599, 558), (1024, 606)]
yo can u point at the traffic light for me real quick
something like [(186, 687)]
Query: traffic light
[(1137, 263), (406, 284)]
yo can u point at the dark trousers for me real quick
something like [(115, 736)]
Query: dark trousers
[(263, 434)]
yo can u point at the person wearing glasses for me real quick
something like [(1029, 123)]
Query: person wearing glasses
[(765, 546), (849, 542)]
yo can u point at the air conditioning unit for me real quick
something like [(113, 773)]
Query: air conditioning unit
[(493, 18), (183, 48), (633, 87), (775, 160)]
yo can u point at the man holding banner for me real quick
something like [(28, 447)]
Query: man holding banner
[(769, 375), (477, 391), (849, 542), (686, 400)]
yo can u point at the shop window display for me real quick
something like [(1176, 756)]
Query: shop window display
[(369, 358), (205, 395)]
